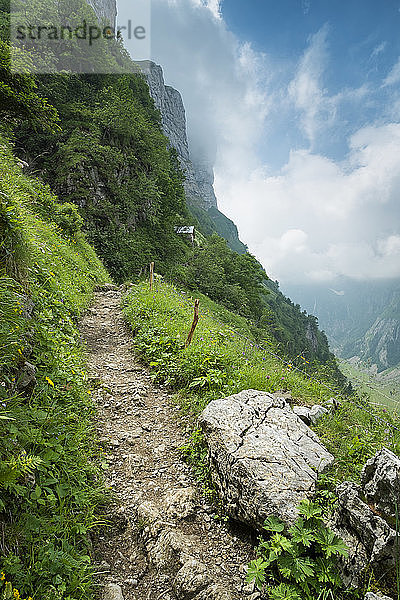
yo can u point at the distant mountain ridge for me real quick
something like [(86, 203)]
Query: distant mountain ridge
[(362, 320)]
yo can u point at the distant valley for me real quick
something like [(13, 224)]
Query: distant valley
[(360, 318)]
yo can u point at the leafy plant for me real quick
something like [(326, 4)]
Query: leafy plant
[(303, 561)]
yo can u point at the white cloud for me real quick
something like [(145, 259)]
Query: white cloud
[(394, 75), (215, 7), (319, 219), (306, 90), (217, 76), (379, 49)]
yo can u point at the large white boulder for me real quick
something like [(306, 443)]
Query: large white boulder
[(264, 459)]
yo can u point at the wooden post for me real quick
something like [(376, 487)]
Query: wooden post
[(194, 324), (151, 275)]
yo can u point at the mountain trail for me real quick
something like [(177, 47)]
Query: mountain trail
[(163, 542)]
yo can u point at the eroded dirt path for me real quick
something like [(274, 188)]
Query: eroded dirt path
[(164, 543)]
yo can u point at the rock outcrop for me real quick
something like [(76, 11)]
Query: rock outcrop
[(112, 591), (106, 10), (264, 459), (199, 174), (170, 550), (369, 538), (364, 519), (380, 480), (373, 596)]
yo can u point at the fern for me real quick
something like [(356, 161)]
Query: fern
[(16, 467)]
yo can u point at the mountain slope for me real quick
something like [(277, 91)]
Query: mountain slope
[(199, 174), (360, 318)]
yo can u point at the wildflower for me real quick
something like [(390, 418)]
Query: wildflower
[(49, 381), (2, 576)]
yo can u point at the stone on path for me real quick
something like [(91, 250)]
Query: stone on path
[(264, 459), (112, 591)]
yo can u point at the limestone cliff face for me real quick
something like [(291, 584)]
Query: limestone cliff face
[(199, 176), (106, 10)]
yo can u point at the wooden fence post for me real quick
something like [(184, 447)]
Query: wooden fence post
[(151, 275), (194, 324)]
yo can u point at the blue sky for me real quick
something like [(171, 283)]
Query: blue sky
[(362, 46), (297, 105)]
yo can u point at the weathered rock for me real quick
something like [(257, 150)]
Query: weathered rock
[(191, 579), (112, 591), (317, 412), (27, 377), (303, 412), (369, 538), (373, 596), (213, 592), (199, 175), (171, 552), (310, 415), (181, 503), (106, 10), (380, 480), (264, 458)]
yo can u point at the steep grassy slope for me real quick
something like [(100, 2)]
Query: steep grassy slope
[(49, 488)]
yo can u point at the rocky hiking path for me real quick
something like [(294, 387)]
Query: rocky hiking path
[(163, 542)]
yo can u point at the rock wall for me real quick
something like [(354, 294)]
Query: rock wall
[(106, 10), (199, 176)]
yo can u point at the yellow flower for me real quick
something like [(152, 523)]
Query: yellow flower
[(49, 381), (2, 576)]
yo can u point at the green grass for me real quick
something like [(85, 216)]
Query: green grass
[(50, 483), (220, 361), (382, 389)]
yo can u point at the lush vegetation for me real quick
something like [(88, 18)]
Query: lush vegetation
[(220, 361), (109, 177), (49, 487), (225, 358), (112, 161), (239, 282), (303, 560)]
